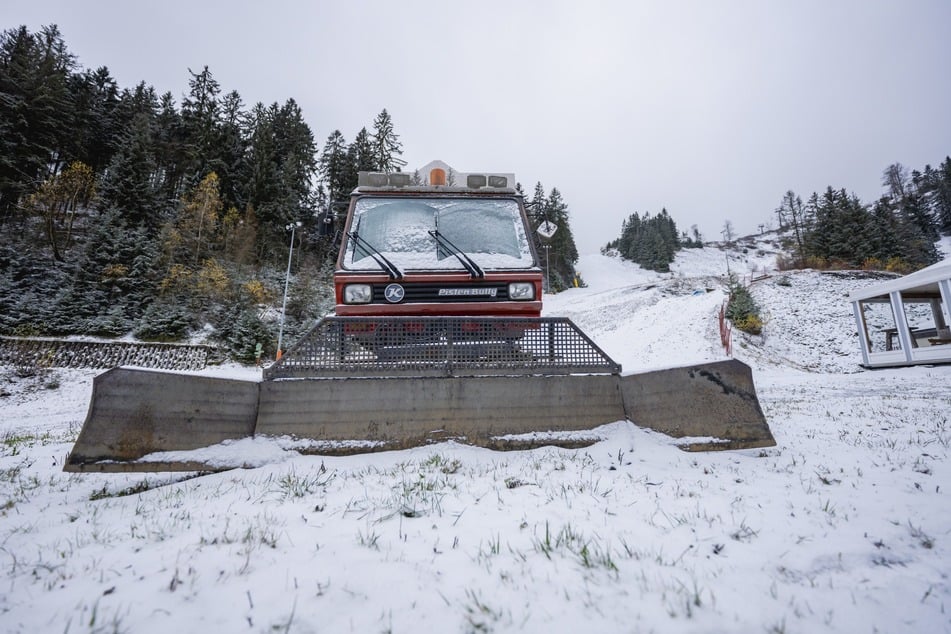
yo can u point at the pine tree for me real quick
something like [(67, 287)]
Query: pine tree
[(169, 150), (386, 144), (884, 231), (36, 111), (282, 169), (938, 184), (140, 102), (359, 158), (201, 118), (563, 241), (907, 194), (114, 282), (247, 332), (30, 287), (335, 165), (840, 231), (651, 242), (363, 151), (537, 209), (164, 321), (95, 102), (916, 207), (129, 183), (846, 232), (298, 153), (230, 162), (561, 254), (264, 163)]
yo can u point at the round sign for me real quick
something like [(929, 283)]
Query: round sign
[(394, 293)]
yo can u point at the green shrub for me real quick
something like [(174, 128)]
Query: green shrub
[(248, 332), (751, 324), (743, 311), (741, 304), (164, 321)]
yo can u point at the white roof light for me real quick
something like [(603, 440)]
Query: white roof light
[(437, 174), (475, 181)]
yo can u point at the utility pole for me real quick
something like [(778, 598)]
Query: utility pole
[(287, 277), (547, 248)]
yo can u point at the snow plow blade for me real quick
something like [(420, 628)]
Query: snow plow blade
[(134, 413), (549, 386)]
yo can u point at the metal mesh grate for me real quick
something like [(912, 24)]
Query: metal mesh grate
[(442, 346)]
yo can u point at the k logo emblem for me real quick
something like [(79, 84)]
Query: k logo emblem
[(394, 293)]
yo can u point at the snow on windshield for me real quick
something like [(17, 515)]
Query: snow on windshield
[(489, 231)]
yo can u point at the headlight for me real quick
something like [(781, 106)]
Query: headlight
[(521, 291), (357, 294)]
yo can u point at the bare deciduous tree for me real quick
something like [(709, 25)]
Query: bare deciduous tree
[(727, 231), (792, 215), (895, 178)]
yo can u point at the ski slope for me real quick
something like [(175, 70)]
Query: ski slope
[(844, 526)]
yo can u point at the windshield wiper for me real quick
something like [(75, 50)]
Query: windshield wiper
[(467, 262), (390, 268)]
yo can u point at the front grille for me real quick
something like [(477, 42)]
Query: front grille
[(456, 293), (442, 346)]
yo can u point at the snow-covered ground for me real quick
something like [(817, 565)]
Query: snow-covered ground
[(844, 526)]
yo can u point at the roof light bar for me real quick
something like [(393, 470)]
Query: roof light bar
[(400, 179), (475, 181), (437, 177), (381, 179)]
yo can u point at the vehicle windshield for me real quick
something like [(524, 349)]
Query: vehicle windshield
[(489, 231)]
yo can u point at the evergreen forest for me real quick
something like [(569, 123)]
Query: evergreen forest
[(896, 233), (653, 241), (124, 212), (834, 229)]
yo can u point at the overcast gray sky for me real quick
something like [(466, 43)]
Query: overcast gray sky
[(712, 109)]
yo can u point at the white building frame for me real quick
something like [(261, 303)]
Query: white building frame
[(905, 344)]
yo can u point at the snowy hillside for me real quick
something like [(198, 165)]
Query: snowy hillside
[(844, 526), (808, 324)]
